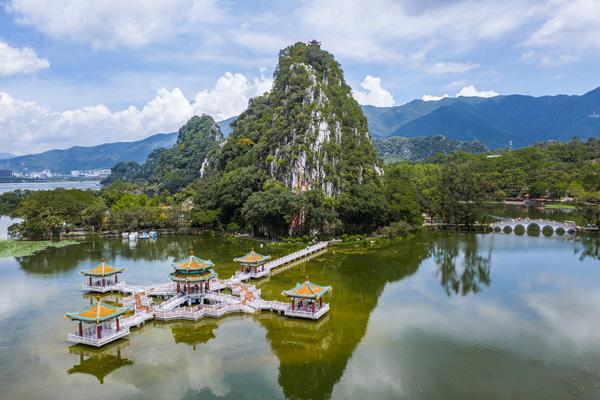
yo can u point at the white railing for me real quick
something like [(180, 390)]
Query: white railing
[(180, 313), (99, 288), (136, 319), (307, 313), (108, 335), (295, 255), (273, 305), (222, 298), (172, 302)]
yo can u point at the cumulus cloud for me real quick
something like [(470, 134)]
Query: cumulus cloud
[(230, 95), (429, 97), (467, 91), (470, 91), (113, 23), (27, 126), (374, 94), (19, 60)]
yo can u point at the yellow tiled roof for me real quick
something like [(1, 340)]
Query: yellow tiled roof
[(103, 269)]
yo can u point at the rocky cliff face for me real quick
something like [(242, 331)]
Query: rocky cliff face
[(175, 168), (308, 132)]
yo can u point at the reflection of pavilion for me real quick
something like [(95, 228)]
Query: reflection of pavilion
[(99, 363), (194, 333), (102, 278)]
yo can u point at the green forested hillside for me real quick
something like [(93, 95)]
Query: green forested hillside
[(421, 148)]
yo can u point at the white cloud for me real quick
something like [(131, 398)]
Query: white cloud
[(374, 94), (230, 95), (113, 23), (569, 24), (470, 91), (19, 60), (549, 61), (375, 30), (467, 91), (429, 97), (27, 127), (442, 68)]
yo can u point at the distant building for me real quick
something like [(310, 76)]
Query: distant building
[(91, 173), (6, 173), (45, 174)]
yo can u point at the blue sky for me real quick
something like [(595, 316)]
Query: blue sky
[(83, 72)]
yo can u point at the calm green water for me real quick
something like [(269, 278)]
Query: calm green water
[(461, 316)]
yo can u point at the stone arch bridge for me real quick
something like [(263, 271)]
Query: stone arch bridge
[(566, 227)]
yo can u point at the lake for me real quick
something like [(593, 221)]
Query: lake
[(8, 187), (447, 315)]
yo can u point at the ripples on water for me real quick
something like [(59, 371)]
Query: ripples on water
[(437, 316)]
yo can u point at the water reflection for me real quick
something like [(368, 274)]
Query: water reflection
[(99, 362), (401, 324), (587, 247), (463, 277), (194, 333)]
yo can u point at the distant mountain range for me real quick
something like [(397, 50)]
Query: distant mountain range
[(4, 156), (495, 121), (468, 123), (95, 157)]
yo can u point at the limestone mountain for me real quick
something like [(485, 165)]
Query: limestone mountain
[(174, 168), (308, 132)]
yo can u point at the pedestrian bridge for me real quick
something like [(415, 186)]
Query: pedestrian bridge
[(509, 225)]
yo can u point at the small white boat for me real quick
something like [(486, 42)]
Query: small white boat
[(144, 235), (153, 234), (133, 236)]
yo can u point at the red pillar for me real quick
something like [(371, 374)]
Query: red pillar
[(178, 288), (90, 281), (320, 302), (118, 325), (80, 328), (207, 285), (99, 331), (313, 307), (116, 278), (103, 282), (293, 303)]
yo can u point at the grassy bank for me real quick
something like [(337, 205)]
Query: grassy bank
[(21, 248), (559, 206)]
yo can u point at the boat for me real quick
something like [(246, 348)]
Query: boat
[(133, 236), (144, 235)]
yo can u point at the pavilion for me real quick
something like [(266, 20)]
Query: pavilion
[(102, 278), (252, 263), (193, 275), (307, 300), (102, 324)]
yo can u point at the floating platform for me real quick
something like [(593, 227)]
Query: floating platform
[(195, 305)]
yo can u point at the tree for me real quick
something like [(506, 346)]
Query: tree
[(362, 208), (270, 211), (401, 196), (459, 194)]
